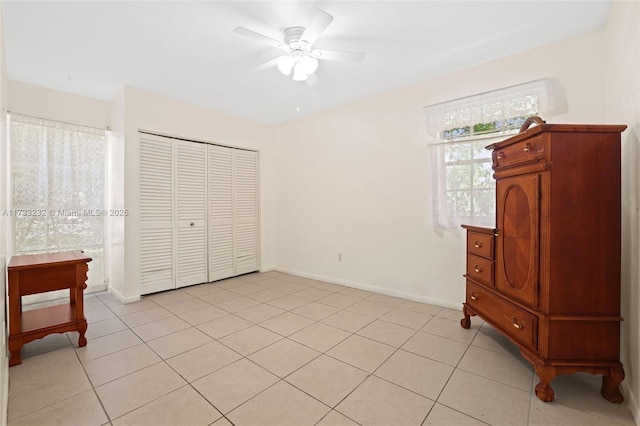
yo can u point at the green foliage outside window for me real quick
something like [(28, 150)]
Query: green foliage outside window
[(482, 128)]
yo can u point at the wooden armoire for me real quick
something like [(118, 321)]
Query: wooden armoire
[(548, 275)]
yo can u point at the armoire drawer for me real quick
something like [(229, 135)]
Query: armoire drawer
[(521, 325), (522, 152), (480, 269), (480, 244)]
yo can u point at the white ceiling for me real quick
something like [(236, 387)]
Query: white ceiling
[(187, 49)]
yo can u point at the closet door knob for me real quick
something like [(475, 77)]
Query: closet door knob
[(192, 224)]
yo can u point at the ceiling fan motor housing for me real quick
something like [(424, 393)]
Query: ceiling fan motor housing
[(292, 39)]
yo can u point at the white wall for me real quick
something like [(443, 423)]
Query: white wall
[(170, 117), (622, 105), (53, 105), (4, 166), (355, 180), (115, 256)]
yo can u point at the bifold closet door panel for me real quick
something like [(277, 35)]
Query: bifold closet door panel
[(246, 211), (190, 213), (156, 215), (221, 235)]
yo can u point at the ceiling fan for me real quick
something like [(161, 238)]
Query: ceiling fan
[(301, 59)]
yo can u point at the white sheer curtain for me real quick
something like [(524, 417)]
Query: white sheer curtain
[(463, 190), (58, 189), (462, 184)]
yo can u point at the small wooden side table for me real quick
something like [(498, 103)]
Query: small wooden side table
[(40, 273)]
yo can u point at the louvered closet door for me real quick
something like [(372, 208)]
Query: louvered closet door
[(191, 193), (246, 211), (156, 214), (221, 247)]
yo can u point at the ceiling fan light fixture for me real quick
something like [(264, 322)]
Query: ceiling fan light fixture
[(301, 59), (285, 64), (298, 73), (308, 64)]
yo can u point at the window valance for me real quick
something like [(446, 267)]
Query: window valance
[(495, 111)]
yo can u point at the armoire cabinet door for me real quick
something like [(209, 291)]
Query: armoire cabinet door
[(191, 196), (518, 224), (156, 215), (221, 241)]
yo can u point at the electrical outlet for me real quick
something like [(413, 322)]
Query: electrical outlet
[(339, 257)]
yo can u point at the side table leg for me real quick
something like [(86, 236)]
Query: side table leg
[(15, 345), (82, 329)]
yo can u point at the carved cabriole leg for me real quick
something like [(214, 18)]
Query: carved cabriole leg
[(81, 284), (468, 313), (546, 374), (611, 385), (82, 328)]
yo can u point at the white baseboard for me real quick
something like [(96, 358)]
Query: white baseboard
[(4, 392), (382, 290), (95, 288), (631, 401), (122, 298)]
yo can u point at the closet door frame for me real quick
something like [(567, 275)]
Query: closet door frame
[(175, 280)]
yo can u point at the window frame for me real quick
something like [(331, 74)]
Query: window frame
[(15, 210), (483, 118)]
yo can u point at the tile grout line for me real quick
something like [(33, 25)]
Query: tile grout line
[(322, 353), (288, 337), (93, 388)]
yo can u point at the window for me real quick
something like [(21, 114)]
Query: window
[(58, 189), (463, 184)]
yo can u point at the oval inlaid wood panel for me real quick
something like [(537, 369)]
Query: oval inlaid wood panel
[(517, 237)]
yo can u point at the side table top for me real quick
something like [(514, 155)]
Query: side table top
[(42, 259)]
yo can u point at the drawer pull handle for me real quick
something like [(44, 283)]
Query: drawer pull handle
[(478, 268), (477, 244), (519, 326), (500, 155), (527, 147), (473, 296)]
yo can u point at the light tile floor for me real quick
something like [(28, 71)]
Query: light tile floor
[(276, 349)]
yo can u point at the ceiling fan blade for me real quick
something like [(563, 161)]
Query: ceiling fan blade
[(260, 37), (319, 22), (338, 55), (312, 80), (270, 64)]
